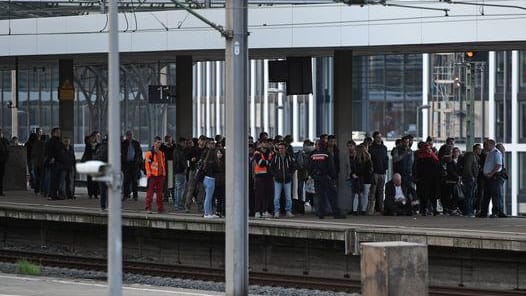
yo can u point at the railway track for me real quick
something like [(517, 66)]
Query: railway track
[(217, 274)]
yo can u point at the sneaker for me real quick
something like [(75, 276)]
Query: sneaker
[(276, 215), (215, 216), (289, 214), (307, 204), (149, 211), (266, 215), (257, 215)]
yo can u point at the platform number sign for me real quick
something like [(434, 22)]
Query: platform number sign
[(161, 94)]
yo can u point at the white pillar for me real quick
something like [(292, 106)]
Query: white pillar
[(253, 99), (194, 101), (491, 95), (265, 97), (208, 90), (514, 130), (295, 125), (312, 108), (198, 95), (425, 96), (218, 97), (281, 108)]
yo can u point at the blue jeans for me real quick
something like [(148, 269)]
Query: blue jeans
[(493, 192), (278, 187), (469, 191), (180, 183), (209, 184)]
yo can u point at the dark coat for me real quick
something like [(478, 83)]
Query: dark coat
[(179, 158), (321, 164), (37, 153), (138, 152), (69, 157), (379, 158), (364, 170), (4, 149), (55, 152), (469, 166), (391, 207), (453, 171), (282, 168)]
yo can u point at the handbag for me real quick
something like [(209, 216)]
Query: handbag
[(309, 186), (458, 192)]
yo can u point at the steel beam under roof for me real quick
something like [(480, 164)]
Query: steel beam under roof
[(17, 9)]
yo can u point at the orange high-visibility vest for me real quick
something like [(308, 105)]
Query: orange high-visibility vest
[(261, 169), (154, 165)]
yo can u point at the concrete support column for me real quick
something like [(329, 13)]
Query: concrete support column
[(66, 98), (183, 97), (394, 269), (343, 117)]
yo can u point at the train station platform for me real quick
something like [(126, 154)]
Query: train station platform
[(507, 234)]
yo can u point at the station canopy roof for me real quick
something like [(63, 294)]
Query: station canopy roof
[(17, 9)]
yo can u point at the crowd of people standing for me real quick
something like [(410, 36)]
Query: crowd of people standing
[(191, 172)]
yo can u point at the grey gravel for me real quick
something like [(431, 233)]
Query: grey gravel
[(173, 282)]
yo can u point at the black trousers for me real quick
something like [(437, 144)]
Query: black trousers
[(391, 207), (326, 192), (103, 195), (54, 182), (131, 181)]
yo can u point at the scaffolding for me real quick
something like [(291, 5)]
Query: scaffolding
[(446, 99)]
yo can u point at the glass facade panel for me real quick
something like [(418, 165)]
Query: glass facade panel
[(386, 94), (503, 97), (522, 97)]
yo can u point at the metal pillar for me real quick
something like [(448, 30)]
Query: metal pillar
[(114, 145), (470, 106), (14, 100), (236, 63)]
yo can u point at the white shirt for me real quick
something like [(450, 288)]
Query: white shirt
[(399, 194)]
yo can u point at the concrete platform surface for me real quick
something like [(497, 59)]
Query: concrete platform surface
[(21, 285), (490, 233)]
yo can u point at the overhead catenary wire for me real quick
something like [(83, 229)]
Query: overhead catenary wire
[(371, 22)]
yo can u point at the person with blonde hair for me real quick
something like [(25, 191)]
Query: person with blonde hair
[(362, 179)]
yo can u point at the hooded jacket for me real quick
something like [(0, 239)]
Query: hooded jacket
[(282, 168)]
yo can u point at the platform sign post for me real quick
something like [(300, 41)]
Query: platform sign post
[(236, 82), (114, 144)]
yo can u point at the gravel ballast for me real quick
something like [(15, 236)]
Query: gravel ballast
[(172, 282)]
